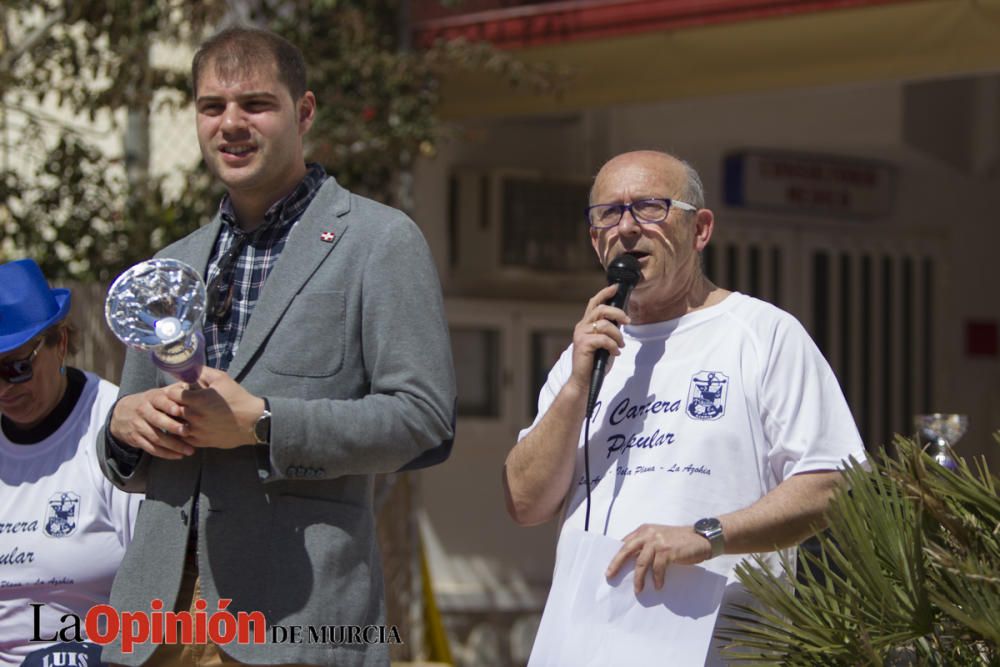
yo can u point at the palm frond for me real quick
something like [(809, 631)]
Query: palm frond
[(908, 573)]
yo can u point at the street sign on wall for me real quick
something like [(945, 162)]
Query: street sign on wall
[(808, 184)]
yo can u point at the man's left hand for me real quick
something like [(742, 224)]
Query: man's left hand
[(655, 547), (219, 412)]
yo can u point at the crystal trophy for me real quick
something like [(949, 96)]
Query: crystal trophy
[(938, 433), (159, 305)]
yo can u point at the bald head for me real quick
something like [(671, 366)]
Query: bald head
[(639, 168)]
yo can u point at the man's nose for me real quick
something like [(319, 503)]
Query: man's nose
[(233, 119), (628, 226)]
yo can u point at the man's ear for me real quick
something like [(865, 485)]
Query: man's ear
[(599, 247), (306, 111), (704, 224)]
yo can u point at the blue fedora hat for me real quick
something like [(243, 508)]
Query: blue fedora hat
[(28, 305)]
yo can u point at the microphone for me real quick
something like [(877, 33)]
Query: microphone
[(626, 272)]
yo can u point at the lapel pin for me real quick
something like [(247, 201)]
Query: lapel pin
[(327, 237)]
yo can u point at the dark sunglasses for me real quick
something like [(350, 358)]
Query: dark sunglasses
[(220, 288), (20, 370)]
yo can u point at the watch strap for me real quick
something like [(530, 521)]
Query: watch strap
[(262, 427)]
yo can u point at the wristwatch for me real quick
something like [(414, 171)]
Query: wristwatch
[(711, 529), (262, 427)]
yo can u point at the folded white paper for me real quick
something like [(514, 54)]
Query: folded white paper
[(590, 621)]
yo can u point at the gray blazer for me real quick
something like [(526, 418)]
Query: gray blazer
[(349, 344)]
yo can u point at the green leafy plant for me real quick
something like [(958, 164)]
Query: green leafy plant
[(908, 574)]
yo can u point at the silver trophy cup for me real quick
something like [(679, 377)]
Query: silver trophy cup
[(159, 305), (938, 432)]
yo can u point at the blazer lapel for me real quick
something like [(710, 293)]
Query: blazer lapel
[(202, 252), (309, 243), (196, 249)]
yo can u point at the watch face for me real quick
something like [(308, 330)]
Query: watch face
[(262, 429), (707, 525)]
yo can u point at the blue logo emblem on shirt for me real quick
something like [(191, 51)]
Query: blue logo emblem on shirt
[(707, 395), (66, 654), (63, 512)]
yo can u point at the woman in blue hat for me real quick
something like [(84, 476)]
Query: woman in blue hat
[(63, 526)]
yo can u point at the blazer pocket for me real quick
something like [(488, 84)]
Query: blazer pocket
[(309, 339), (328, 537)]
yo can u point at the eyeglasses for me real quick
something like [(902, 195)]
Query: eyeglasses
[(220, 288), (20, 371), (644, 211)]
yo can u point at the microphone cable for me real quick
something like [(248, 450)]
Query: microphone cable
[(586, 467), (626, 272)]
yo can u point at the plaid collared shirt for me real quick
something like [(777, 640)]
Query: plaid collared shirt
[(255, 262)]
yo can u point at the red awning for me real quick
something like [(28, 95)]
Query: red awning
[(543, 23), (631, 52)]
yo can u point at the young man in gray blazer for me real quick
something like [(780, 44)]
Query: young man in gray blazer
[(328, 362)]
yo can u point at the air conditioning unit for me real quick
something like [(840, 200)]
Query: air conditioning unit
[(521, 232)]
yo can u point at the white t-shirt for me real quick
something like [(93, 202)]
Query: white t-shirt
[(704, 415), (63, 526)]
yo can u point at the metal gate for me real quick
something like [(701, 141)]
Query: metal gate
[(870, 299)]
